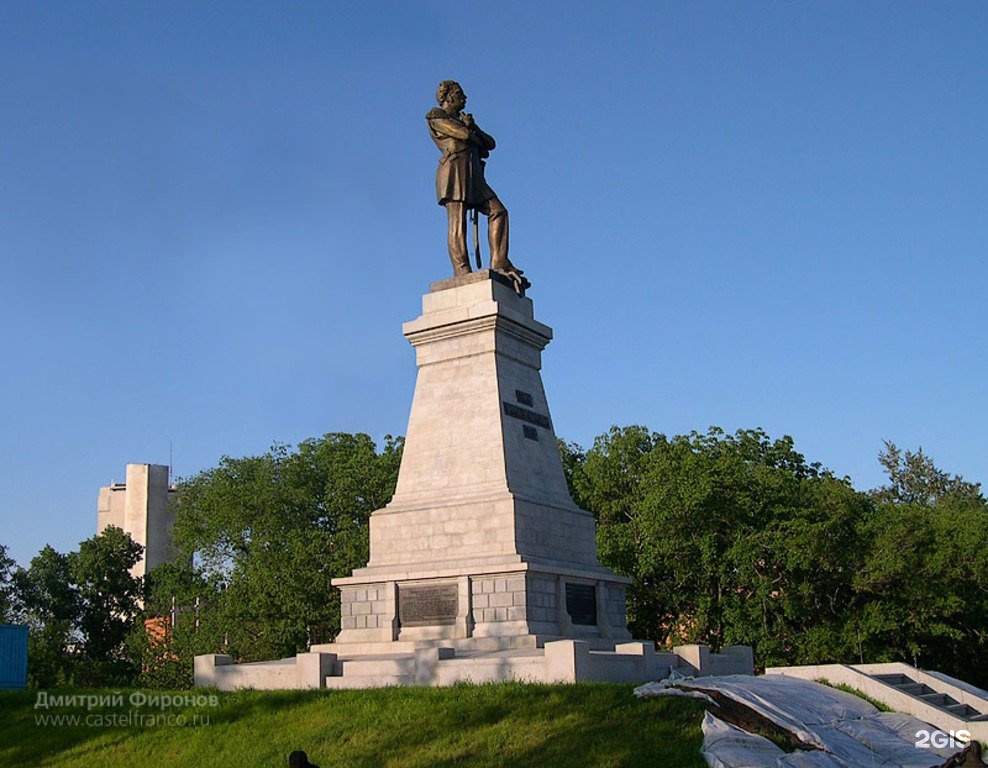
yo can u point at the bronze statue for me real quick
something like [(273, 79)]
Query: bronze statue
[(460, 184)]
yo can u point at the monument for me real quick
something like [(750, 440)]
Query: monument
[(462, 187), (482, 567), (481, 540)]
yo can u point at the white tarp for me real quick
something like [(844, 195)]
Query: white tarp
[(846, 731)]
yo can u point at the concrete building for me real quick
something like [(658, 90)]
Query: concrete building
[(140, 506)]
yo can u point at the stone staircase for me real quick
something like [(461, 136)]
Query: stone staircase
[(928, 695)]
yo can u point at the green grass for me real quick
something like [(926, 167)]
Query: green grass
[(592, 724)]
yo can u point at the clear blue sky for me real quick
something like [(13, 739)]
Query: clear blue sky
[(214, 218)]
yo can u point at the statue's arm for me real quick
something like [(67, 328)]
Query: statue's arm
[(485, 139), (451, 128), (456, 130)]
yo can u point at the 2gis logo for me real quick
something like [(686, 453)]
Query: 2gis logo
[(940, 739)]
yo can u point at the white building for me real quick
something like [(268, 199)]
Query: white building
[(140, 506)]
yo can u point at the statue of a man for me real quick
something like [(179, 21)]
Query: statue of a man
[(460, 183)]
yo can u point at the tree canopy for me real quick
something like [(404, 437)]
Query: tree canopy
[(923, 585), (80, 608), (274, 530)]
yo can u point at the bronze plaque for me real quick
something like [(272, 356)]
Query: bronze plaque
[(581, 603), (427, 604)]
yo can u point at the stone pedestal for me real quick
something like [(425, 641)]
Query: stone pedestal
[(481, 544), (481, 568)]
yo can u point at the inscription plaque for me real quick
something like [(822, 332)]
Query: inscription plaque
[(524, 398), (517, 412), (427, 604), (530, 432), (581, 603)]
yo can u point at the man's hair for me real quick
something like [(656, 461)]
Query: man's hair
[(444, 88)]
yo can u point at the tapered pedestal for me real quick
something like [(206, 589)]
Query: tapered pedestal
[(481, 539)]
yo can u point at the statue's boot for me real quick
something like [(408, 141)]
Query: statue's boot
[(497, 237), (514, 274)]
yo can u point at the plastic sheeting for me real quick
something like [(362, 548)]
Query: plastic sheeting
[(846, 731)]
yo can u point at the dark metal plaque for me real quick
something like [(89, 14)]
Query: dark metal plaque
[(424, 605), (530, 432), (523, 397), (510, 409), (581, 603)]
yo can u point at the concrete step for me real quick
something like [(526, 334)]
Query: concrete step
[(914, 689), (364, 649), (377, 666), (895, 679), (963, 711)]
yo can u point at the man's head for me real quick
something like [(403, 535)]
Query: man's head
[(450, 92)]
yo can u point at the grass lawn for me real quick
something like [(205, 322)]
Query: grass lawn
[(590, 724)]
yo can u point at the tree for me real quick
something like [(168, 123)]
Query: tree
[(728, 539), (108, 593), (48, 601), (80, 608), (274, 530), (915, 479), (923, 583)]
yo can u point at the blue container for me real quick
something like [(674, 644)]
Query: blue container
[(13, 656)]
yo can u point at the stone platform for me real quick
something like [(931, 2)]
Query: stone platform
[(562, 661)]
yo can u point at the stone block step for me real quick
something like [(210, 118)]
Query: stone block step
[(963, 711), (914, 689), (364, 649), (377, 666), (895, 679)]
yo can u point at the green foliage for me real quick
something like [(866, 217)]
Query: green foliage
[(508, 724), (108, 593), (923, 586), (48, 602), (274, 530), (729, 539), (915, 479), (80, 607)]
